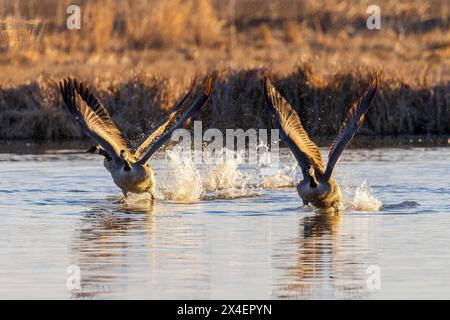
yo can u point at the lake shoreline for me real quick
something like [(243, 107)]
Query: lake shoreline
[(30, 146)]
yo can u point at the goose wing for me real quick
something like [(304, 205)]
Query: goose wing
[(291, 130), (351, 124), (92, 117), (194, 108), (161, 125)]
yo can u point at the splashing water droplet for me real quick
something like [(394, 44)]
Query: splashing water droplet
[(364, 200), (224, 179), (283, 178), (183, 182)]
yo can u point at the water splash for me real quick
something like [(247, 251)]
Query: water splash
[(364, 200), (224, 179), (228, 179), (283, 178), (219, 177), (182, 181), (225, 174), (136, 203), (137, 198)]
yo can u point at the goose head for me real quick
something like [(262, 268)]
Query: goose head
[(99, 150), (94, 149)]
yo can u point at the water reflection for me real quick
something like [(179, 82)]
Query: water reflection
[(101, 247), (144, 206), (327, 259), (260, 247)]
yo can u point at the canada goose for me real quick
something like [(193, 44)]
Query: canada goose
[(317, 187), (129, 170)]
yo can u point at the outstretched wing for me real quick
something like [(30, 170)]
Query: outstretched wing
[(194, 108), (291, 130), (92, 117), (161, 125), (351, 124)]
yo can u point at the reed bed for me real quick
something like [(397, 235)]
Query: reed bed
[(35, 110)]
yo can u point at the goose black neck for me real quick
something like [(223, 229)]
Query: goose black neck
[(105, 154), (313, 183), (126, 166)]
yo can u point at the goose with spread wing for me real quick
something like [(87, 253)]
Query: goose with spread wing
[(317, 187), (129, 170)]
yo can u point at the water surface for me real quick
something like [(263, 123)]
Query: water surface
[(58, 209)]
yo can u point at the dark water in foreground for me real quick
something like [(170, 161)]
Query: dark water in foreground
[(58, 216)]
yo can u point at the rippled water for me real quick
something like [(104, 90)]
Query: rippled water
[(58, 209)]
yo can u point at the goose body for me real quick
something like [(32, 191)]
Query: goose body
[(137, 179), (318, 187), (129, 170), (134, 178), (326, 194), (131, 177)]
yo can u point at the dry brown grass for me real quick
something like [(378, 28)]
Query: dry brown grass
[(237, 102), (319, 53), (292, 32), (166, 23), (266, 35), (99, 22), (20, 39), (156, 24), (206, 25), (122, 25)]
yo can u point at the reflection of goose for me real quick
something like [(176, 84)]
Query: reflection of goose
[(318, 246), (102, 248), (129, 170), (317, 187), (330, 259)]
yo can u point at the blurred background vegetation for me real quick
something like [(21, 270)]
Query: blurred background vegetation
[(141, 54)]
